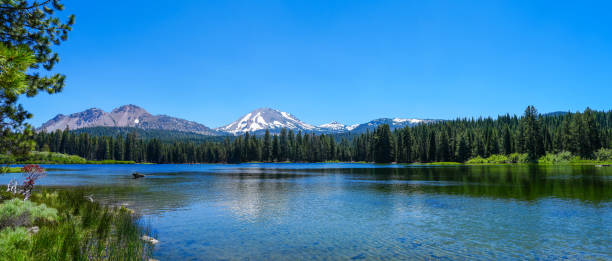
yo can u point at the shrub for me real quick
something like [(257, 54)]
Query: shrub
[(477, 160), (500, 158), (603, 154), (561, 157), (518, 158), (14, 244), (17, 212)]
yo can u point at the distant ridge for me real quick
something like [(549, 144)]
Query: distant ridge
[(255, 122), (124, 116), (555, 113)]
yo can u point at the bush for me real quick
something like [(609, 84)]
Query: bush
[(518, 158), (603, 154), (17, 212), (500, 158), (477, 160), (14, 244), (561, 157)]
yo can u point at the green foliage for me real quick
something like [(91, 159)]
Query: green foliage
[(555, 158), (477, 160), (165, 136), (34, 24), (518, 158), (500, 158), (531, 136), (81, 230), (5, 169), (382, 144), (36, 157), (28, 30), (15, 133), (24, 213), (15, 244), (603, 154)]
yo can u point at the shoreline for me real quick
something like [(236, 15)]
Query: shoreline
[(12, 169)]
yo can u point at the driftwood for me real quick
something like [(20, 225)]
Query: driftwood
[(138, 175), (603, 165)]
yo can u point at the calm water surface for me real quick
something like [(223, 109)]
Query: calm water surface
[(360, 211)]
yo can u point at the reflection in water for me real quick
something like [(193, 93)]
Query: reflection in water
[(343, 211), (525, 182)]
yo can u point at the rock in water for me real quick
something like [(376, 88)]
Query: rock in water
[(149, 239), (138, 175)]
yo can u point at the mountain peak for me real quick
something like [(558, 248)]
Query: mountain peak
[(265, 118), (125, 116), (129, 108), (333, 126)]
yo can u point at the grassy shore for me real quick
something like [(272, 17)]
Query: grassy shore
[(37, 157), (67, 225), (10, 169)]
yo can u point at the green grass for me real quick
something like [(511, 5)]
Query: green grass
[(37, 157), (10, 169), (15, 243), (437, 163), (500, 159), (70, 228)]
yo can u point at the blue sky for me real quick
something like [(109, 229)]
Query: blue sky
[(350, 61)]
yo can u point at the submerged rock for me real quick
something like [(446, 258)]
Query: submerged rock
[(149, 239), (138, 175)]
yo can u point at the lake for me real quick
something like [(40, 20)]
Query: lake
[(359, 211)]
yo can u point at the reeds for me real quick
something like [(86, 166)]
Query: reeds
[(82, 230)]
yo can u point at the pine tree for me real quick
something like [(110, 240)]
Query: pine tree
[(28, 31), (463, 151), (532, 137), (382, 144)]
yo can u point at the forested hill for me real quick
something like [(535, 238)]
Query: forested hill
[(531, 134), (166, 136)]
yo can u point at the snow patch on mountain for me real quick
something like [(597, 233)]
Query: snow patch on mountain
[(334, 126), (413, 121), (265, 118)]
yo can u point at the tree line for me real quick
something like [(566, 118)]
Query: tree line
[(535, 135)]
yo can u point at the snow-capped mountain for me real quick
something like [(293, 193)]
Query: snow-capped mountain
[(261, 119), (255, 122), (393, 124), (124, 116), (333, 126)]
